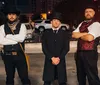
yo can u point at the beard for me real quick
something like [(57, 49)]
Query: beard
[(88, 17), (11, 22)]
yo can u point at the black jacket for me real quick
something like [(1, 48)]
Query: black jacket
[(55, 44)]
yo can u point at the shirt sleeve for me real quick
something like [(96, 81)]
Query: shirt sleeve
[(94, 29), (3, 39), (18, 37), (77, 29)]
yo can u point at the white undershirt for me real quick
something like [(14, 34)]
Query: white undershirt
[(10, 39)]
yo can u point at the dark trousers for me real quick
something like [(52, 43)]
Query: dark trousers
[(86, 63), (11, 64), (55, 78)]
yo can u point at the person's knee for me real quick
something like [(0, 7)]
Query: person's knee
[(9, 79)]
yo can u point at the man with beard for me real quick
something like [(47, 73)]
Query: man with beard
[(12, 53), (87, 34), (55, 45)]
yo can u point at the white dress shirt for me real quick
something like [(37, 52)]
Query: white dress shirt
[(11, 39), (94, 29)]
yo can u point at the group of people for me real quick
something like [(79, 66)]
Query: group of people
[(55, 46)]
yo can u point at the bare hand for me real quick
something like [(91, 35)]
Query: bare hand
[(55, 60)]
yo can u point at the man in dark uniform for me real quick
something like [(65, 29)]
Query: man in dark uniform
[(55, 45), (12, 54), (87, 34)]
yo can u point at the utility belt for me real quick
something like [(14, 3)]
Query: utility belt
[(8, 53), (11, 49)]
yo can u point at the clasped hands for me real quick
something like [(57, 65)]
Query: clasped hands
[(55, 60)]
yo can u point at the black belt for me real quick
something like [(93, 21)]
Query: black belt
[(86, 50)]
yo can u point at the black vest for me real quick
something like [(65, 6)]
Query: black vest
[(15, 47)]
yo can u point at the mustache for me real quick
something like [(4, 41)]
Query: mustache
[(11, 18), (88, 15)]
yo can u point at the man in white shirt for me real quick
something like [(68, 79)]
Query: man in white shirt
[(12, 54), (87, 34)]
